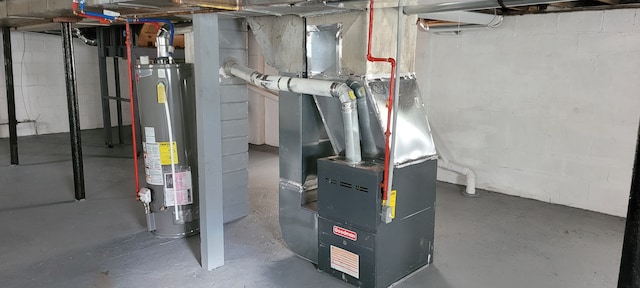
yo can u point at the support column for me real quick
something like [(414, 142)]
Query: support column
[(209, 142), (11, 99), (104, 85), (72, 106), (116, 72), (629, 276)]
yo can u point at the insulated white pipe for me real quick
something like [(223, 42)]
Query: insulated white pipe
[(471, 5), (314, 87), (464, 17), (396, 100)]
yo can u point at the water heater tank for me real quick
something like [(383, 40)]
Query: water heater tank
[(166, 96)]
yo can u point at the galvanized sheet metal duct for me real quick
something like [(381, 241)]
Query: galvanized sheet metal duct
[(324, 88)]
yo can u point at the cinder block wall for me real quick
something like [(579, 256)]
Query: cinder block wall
[(544, 107), (39, 80)]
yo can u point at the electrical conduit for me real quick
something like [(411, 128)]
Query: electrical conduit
[(314, 87), (387, 133)]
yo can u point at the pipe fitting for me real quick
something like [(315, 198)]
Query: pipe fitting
[(316, 87), (342, 92), (163, 44)]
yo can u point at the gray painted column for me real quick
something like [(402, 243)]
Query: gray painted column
[(209, 131), (235, 124)]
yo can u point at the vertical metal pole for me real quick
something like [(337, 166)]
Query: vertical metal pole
[(116, 78), (11, 99), (629, 276), (104, 86), (72, 106), (209, 139)]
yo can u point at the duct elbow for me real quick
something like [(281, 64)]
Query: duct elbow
[(343, 92)]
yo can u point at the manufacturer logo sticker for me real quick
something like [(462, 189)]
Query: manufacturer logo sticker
[(345, 233)]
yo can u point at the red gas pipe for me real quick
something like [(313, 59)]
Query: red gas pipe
[(392, 83), (132, 109)]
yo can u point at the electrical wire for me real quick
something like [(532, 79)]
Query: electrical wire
[(22, 66)]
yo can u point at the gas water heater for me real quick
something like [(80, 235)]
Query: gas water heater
[(165, 95)]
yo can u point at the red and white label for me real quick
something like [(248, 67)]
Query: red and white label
[(345, 233), (345, 261)]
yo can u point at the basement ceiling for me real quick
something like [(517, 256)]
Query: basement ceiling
[(41, 13)]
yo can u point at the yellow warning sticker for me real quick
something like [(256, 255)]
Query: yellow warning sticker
[(162, 93), (352, 96), (392, 203), (165, 155)]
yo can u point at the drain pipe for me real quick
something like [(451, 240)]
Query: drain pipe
[(314, 87), (467, 172), (444, 163)]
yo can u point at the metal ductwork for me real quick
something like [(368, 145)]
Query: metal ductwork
[(311, 87)]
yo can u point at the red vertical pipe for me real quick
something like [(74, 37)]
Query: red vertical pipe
[(392, 82), (132, 109)]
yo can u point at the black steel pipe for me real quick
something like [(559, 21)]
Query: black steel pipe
[(74, 115), (629, 276), (116, 78), (11, 96), (104, 85)]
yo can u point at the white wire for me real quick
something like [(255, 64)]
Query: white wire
[(493, 23)]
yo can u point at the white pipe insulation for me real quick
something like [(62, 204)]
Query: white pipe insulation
[(313, 87), (464, 17)]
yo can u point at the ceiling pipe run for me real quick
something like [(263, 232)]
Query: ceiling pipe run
[(313, 87), (465, 17), (471, 5)]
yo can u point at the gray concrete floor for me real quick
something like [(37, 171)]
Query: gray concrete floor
[(49, 240)]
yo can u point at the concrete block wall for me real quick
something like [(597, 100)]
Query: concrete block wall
[(263, 104), (544, 107), (39, 81)]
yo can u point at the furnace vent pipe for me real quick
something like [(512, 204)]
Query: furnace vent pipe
[(369, 148), (314, 87)]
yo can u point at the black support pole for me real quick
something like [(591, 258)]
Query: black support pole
[(11, 97), (72, 106), (629, 276), (104, 85), (116, 78)]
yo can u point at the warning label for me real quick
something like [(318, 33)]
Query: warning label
[(152, 165), (183, 194), (165, 155), (345, 261)]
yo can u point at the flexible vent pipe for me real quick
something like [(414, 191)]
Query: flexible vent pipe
[(314, 87)]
